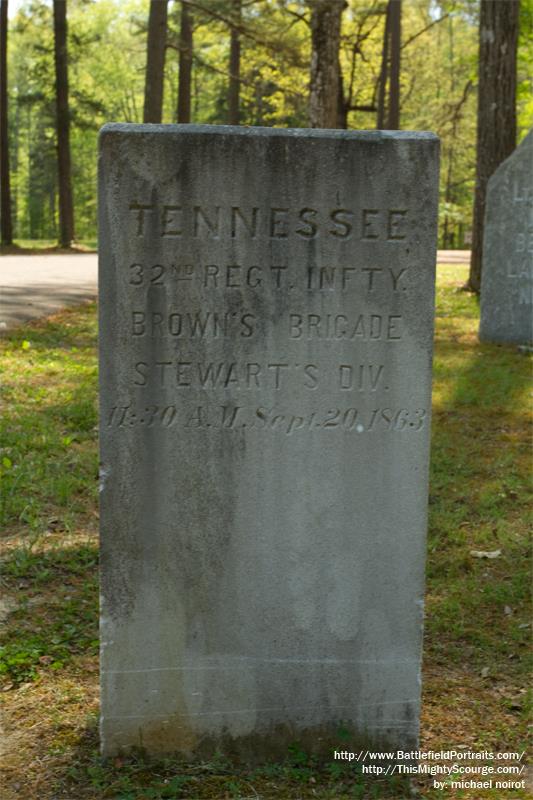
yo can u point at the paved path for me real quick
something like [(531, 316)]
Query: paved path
[(37, 285), (453, 256)]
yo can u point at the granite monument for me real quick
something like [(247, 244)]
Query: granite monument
[(266, 323), (507, 274)]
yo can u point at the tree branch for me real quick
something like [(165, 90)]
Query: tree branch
[(431, 24)]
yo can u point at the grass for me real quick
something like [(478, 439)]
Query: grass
[(39, 246), (477, 629), (55, 631)]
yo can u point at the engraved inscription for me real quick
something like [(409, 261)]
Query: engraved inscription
[(172, 220), (279, 276), (520, 270), (525, 296), (224, 375), (363, 327), (251, 375), (339, 278), (521, 192), (228, 324), (240, 284), (524, 242), (229, 276), (200, 325), (262, 418)]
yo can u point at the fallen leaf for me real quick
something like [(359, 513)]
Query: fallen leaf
[(486, 553), (485, 672)]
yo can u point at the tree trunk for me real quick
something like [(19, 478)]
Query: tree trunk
[(343, 106), (325, 42), (393, 121), (496, 115), (447, 235), (384, 72), (66, 211), (5, 185), (185, 65), (235, 65), (388, 113), (155, 61)]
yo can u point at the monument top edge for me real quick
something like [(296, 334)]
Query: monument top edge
[(134, 128)]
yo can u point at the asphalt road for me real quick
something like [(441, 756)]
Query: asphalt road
[(38, 285), (34, 286)]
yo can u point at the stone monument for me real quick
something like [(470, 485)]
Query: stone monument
[(266, 323), (507, 276)]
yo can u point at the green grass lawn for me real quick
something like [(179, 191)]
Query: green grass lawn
[(477, 627), (38, 246)]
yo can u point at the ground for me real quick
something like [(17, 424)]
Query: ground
[(477, 609)]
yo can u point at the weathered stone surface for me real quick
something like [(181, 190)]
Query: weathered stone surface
[(507, 277), (266, 336)]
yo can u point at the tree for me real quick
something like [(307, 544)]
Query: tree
[(393, 122), (155, 61), (234, 64), (384, 71), (325, 42), (185, 64), (66, 209), (496, 114), (388, 112), (5, 190), (106, 69), (363, 24)]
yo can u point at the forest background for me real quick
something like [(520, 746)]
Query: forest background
[(107, 55)]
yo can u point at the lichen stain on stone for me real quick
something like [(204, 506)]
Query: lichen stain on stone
[(275, 744), (170, 735)]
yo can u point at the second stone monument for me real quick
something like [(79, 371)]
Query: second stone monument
[(266, 334), (507, 277)]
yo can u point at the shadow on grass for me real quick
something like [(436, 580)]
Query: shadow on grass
[(71, 328), (495, 378), (477, 605), (57, 613), (486, 400)]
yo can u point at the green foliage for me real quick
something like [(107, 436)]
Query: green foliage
[(107, 41), (525, 69)]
